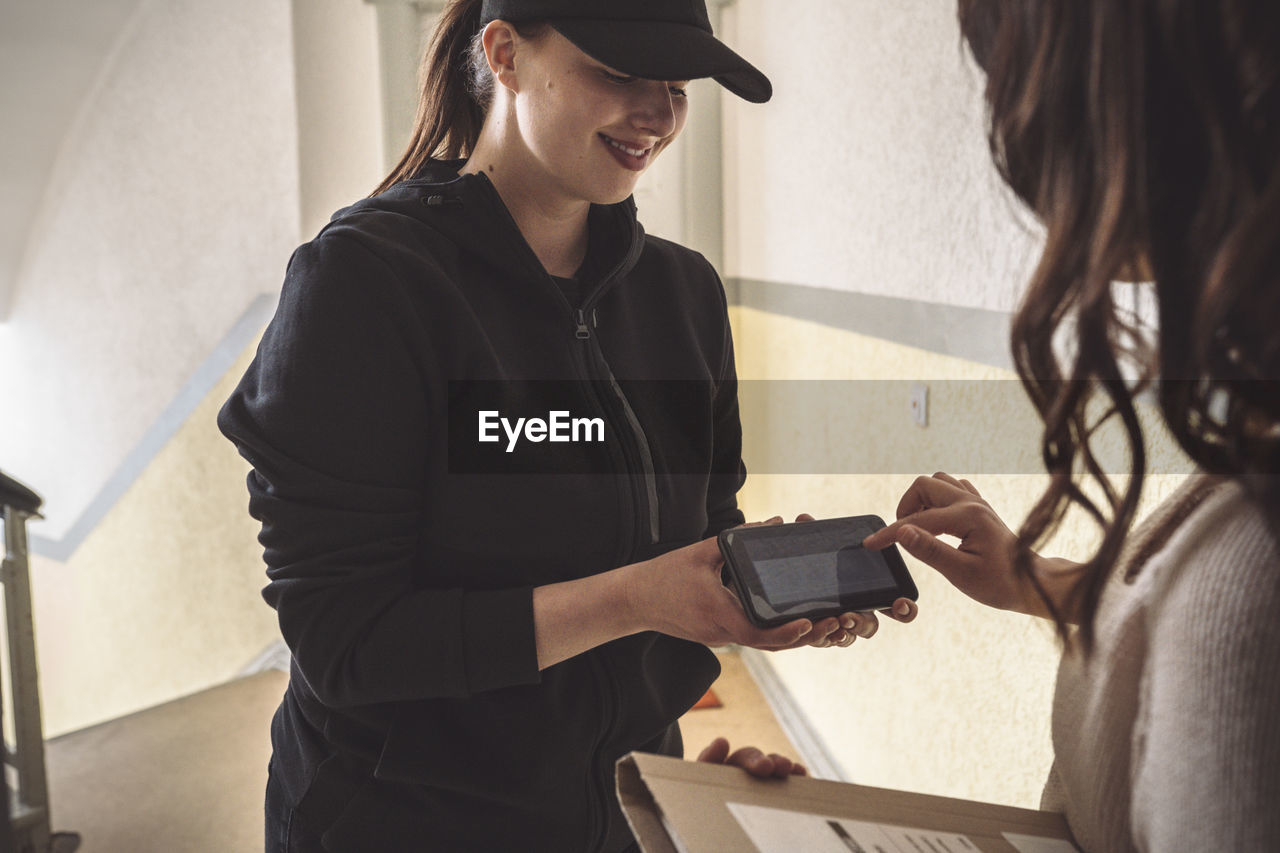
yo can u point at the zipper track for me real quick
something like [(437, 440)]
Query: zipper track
[(649, 492), (600, 770), (598, 790), (646, 455)]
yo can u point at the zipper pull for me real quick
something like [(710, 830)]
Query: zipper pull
[(583, 332)]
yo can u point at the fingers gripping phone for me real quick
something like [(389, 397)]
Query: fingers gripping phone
[(812, 569)]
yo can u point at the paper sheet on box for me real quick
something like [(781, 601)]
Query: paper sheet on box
[(1037, 844), (783, 831)]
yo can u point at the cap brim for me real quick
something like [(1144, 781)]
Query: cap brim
[(659, 50)]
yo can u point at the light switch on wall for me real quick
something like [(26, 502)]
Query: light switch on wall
[(920, 404)]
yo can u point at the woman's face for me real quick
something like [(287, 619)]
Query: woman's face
[(587, 130)]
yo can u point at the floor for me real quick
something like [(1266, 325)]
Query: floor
[(187, 777), (745, 718)]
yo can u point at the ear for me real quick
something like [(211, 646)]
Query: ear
[(500, 40)]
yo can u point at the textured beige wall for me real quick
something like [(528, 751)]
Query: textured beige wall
[(162, 599), (958, 702)]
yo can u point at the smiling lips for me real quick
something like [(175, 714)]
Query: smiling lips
[(632, 158)]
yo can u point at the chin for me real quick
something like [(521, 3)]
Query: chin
[(603, 185), (615, 198), (613, 194)]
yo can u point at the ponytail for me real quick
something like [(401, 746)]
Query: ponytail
[(457, 88), (449, 115)]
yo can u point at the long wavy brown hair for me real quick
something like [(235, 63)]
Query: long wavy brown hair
[(1144, 135)]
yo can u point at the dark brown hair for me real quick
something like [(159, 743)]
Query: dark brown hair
[(1141, 130), (456, 90)]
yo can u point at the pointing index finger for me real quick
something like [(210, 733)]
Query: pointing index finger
[(935, 491), (956, 519), (882, 538)]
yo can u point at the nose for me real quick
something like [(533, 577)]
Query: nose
[(656, 110)]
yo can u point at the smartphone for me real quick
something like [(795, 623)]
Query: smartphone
[(812, 569)]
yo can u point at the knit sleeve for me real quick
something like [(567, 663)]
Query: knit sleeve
[(333, 415), (1206, 768)]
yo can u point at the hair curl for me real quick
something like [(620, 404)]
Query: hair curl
[(1141, 133)]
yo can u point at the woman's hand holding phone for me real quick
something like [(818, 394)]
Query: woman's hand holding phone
[(680, 593), (841, 631)]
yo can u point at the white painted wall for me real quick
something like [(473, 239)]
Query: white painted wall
[(50, 54), (339, 111), (207, 154), (174, 202), (215, 137), (868, 171)]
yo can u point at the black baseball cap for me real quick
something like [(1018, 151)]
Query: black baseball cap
[(654, 39)]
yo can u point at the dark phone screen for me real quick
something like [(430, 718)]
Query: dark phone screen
[(819, 565)]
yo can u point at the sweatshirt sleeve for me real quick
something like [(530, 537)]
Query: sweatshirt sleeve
[(728, 472), (333, 415), (1206, 771)]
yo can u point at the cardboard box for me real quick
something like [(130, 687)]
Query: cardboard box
[(677, 806)]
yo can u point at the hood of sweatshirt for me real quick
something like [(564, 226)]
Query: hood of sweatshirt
[(467, 210)]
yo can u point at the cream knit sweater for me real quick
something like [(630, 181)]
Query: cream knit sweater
[(1168, 737)]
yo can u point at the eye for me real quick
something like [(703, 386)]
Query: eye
[(678, 91), (620, 79)]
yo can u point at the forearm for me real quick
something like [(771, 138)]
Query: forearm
[(1058, 578), (575, 616)]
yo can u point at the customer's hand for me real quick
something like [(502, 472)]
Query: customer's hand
[(680, 593), (751, 760), (982, 565)]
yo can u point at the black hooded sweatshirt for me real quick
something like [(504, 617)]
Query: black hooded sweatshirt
[(402, 571)]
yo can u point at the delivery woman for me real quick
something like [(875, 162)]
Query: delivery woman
[(478, 635)]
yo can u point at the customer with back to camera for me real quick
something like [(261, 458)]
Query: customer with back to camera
[(468, 659), (1146, 137)]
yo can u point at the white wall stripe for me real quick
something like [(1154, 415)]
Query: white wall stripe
[(976, 334), (206, 376), (274, 656)]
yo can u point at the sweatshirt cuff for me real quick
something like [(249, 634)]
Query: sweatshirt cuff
[(500, 647)]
